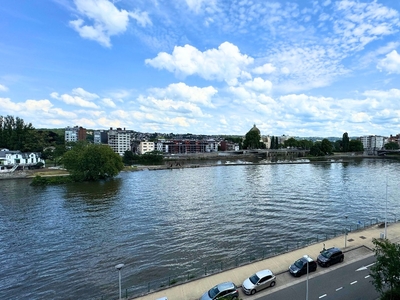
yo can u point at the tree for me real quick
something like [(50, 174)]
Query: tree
[(291, 142), (92, 162), (356, 146), (392, 146), (252, 140), (345, 142), (326, 147), (316, 149), (272, 142), (386, 272)]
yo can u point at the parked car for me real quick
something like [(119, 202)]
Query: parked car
[(299, 267), (258, 282), (330, 256), (222, 291)]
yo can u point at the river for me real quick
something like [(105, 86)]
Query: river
[(63, 242)]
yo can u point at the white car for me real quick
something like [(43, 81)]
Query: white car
[(258, 282)]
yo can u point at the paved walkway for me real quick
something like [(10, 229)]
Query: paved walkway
[(358, 245)]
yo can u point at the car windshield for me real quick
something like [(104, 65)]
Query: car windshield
[(326, 254), (299, 263), (213, 292), (254, 279)]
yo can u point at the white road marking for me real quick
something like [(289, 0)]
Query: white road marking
[(324, 295), (338, 289), (365, 267), (367, 276), (354, 282)]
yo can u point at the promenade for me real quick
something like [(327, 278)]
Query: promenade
[(358, 245)]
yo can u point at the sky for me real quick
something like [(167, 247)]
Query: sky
[(216, 67)]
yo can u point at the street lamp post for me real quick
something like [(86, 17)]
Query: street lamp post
[(386, 210), (307, 283), (119, 267), (345, 233)]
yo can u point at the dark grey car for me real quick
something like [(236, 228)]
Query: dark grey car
[(222, 291), (330, 256)]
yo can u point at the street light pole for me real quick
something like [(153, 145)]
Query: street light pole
[(386, 210), (307, 283), (119, 267)]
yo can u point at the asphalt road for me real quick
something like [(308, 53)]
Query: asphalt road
[(341, 281)]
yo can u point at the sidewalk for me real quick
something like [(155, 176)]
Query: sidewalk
[(279, 264)]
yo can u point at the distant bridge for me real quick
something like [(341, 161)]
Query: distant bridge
[(384, 152), (276, 152)]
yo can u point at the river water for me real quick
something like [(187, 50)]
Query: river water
[(63, 242)]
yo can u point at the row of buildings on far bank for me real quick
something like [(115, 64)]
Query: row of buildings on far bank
[(121, 140)]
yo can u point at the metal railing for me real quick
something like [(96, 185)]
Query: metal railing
[(227, 264)]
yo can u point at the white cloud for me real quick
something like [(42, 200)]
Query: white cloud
[(198, 5), (265, 69), (107, 20), (223, 64), (3, 88), (181, 91), (80, 92), (108, 102), (391, 63), (74, 100), (259, 85)]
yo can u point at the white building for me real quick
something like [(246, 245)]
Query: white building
[(120, 140), (145, 147), (11, 160), (373, 143), (74, 134)]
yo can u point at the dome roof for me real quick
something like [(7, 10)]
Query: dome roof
[(255, 129)]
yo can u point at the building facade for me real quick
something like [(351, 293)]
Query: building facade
[(120, 140), (74, 134)]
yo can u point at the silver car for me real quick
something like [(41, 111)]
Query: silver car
[(258, 282), (222, 291)]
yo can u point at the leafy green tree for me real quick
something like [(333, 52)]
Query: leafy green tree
[(305, 144), (151, 158), (92, 162), (291, 142), (345, 142), (356, 146), (277, 146), (326, 147), (392, 146), (316, 149), (252, 140), (272, 142), (386, 272), (129, 158)]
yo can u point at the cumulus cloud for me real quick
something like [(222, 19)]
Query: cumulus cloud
[(391, 63), (108, 102), (76, 99), (223, 64), (3, 88), (259, 85), (107, 20), (182, 92), (264, 69)]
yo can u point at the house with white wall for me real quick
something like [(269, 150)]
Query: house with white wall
[(11, 160)]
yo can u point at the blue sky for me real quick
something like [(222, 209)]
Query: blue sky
[(300, 68)]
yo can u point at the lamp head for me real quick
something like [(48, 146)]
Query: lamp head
[(119, 266)]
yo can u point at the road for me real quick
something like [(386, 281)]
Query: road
[(351, 281)]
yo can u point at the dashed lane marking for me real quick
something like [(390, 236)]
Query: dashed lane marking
[(353, 282), (322, 296), (338, 289), (367, 276)]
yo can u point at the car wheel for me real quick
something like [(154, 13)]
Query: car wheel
[(327, 264), (253, 292), (341, 259), (272, 284)]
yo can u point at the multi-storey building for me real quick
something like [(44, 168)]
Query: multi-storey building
[(372, 143), (145, 147), (74, 134), (100, 137), (120, 140)]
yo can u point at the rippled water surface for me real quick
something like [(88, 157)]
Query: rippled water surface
[(63, 242)]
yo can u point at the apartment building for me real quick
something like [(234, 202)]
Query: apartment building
[(120, 140), (145, 147), (74, 134), (100, 137)]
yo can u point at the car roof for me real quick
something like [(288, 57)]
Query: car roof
[(333, 249), (264, 273), (307, 258), (225, 285)]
